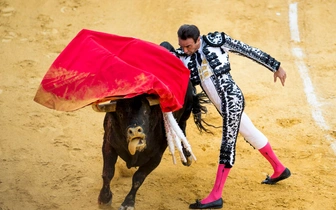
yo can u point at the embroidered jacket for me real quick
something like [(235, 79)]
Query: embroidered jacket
[(215, 48)]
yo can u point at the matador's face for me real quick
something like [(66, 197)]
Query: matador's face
[(189, 46)]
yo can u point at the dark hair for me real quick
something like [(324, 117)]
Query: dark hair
[(188, 31)]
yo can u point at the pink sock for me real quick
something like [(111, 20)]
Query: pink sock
[(216, 193), (268, 153)]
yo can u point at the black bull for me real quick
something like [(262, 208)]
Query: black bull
[(135, 132)]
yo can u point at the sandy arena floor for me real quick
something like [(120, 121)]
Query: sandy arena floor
[(52, 160)]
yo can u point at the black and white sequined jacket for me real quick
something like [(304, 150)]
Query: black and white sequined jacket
[(215, 47)]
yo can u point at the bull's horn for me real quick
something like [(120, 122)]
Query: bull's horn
[(108, 107), (153, 100)]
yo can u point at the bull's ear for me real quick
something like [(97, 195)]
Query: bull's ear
[(107, 107), (153, 100)]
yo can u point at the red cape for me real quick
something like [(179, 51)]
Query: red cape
[(97, 66)]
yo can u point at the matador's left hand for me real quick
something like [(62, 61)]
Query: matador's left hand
[(281, 73)]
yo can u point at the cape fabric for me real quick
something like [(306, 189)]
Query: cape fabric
[(97, 66)]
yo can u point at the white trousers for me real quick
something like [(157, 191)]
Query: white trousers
[(247, 129), (251, 134)]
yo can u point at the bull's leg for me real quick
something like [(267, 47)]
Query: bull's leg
[(110, 158), (137, 180), (183, 126)]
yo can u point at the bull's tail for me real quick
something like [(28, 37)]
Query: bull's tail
[(199, 99)]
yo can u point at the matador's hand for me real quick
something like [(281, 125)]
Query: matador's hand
[(281, 74)]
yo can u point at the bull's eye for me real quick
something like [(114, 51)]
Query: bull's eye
[(120, 115)]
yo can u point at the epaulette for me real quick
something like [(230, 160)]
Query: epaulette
[(215, 39)]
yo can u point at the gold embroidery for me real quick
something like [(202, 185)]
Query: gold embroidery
[(204, 71)]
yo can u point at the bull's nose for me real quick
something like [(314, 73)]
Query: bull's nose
[(135, 130)]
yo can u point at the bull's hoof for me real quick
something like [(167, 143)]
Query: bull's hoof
[(128, 203), (126, 208), (189, 161), (188, 156), (105, 197)]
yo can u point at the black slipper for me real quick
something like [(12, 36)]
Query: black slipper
[(218, 204), (284, 175)]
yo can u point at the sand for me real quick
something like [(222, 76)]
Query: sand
[(52, 160)]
